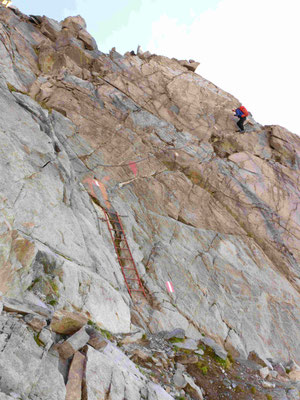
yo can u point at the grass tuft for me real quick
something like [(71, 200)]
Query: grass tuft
[(176, 340)]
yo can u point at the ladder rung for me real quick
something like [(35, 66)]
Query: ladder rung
[(118, 239)]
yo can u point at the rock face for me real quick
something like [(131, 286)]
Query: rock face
[(215, 212)]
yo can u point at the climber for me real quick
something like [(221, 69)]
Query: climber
[(242, 113)]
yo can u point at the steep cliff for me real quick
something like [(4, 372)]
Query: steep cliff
[(215, 212)]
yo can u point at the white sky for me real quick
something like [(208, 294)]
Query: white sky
[(249, 48)]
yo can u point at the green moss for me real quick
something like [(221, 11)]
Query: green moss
[(36, 50), (225, 363), (180, 398), (46, 107), (230, 358), (176, 340), (94, 325), (36, 280), (12, 89), (199, 364), (54, 287), (269, 397), (239, 389), (204, 370), (171, 165), (144, 337), (37, 340), (253, 390), (53, 302), (105, 333)]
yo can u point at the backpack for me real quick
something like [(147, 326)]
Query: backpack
[(244, 111), (238, 112)]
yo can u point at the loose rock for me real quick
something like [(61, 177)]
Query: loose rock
[(74, 384), (35, 321), (73, 343), (67, 322)]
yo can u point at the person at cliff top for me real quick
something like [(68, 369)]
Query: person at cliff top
[(242, 113)]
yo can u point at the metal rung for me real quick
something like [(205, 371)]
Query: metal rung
[(119, 238)]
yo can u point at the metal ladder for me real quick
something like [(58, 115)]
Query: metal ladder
[(125, 259)]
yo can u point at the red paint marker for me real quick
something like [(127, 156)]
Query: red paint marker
[(170, 287), (133, 167)]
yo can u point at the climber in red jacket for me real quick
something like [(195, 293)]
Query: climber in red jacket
[(242, 113)]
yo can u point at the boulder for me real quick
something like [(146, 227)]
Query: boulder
[(88, 41), (188, 344), (192, 389), (186, 359), (220, 352), (268, 385), (67, 322), (278, 367), (17, 306), (35, 321), (179, 379), (190, 65), (264, 372), (50, 28), (175, 333), (75, 377), (25, 368), (73, 343), (96, 340), (46, 337), (75, 24), (272, 375), (118, 375), (293, 366)]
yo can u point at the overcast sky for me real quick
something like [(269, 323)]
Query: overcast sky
[(249, 48)]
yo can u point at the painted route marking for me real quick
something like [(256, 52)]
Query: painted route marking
[(170, 287)]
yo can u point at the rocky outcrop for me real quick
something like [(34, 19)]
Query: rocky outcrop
[(215, 212)]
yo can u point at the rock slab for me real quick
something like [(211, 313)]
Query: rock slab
[(74, 384)]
